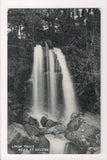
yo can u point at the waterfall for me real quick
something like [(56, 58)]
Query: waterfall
[(53, 92), (53, 89), (68, 89), (19, 32), (38, 80)]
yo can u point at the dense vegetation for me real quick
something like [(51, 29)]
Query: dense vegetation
[(75, 31)]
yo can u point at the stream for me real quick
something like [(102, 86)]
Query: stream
[(57, 144)]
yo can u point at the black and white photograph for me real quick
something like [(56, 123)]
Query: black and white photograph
[(54, 65)]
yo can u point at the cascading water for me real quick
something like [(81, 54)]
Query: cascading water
[(46, 86), (53, 92), (58, 144), (53, 89), (38, 80), (67, 85)]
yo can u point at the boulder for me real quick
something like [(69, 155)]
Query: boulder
[(75, 122), (58, 129), (30, 120), (51, 123), (48, 122), (26, 117), (17, 138), (81, 133), (43, 121), (33, 122), (20, 142), (31, 130), (77, 139), (17, 133), (52, 130)]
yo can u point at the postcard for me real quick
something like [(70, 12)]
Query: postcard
[(53, 102)]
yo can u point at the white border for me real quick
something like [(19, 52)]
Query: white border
[(5, 4)]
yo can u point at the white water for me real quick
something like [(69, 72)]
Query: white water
[(38, 80), (57, 145), (47, 79), (53, 89), (45, 88), (68, 89)]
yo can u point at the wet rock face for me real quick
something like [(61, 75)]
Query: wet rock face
[(81, 133)]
